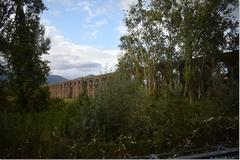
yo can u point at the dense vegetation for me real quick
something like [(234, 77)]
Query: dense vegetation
[(121, 121), (168, 94)]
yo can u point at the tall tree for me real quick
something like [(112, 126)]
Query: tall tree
[(6, 10), (27, 43)]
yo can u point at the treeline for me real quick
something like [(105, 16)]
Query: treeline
[(174, 46), (173, 91)]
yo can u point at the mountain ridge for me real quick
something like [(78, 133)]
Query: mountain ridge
[(51, 79)]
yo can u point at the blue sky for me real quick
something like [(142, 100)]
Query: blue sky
[(85, 35)]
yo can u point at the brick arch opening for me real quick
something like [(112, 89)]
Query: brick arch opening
[(90, 87), (96, 83), (79, 85), (70, 90), (103, 81)]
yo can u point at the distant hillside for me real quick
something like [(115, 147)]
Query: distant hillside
[(90, 75), (50, 79), (55, 79)]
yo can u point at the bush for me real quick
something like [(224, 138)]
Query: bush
[(121, 121), (38, 101)]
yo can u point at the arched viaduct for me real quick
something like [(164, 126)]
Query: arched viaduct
[(71, 89)]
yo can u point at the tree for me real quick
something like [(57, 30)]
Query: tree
[(174, 45), (26, 70), (6, 10)]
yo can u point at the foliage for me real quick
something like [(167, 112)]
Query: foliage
[(149, 105), (24, 43), (31, 135), (120, 122), (175, 44)]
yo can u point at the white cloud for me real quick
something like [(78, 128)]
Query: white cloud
[(95, 27), (125, 4), (94, 9), (86, 7), (95, 15), (122, 29), (93, 34), (99, 24), (63, 2), (73, 60), (55, 13)]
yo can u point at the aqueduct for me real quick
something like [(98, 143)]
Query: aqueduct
[(71, 89)]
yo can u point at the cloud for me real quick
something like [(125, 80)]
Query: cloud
[(95, 27), (86, 6), (87, 66), (62, 2), (74, 60), (95, 13), (93, 34), (95, 9), (122, 29), (55, 13), (125, 4), (91, 9), (99, 24)]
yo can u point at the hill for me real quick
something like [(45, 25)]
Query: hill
[(55, 79), (50, 79)]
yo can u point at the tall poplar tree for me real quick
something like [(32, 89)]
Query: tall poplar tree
[(26, 44)]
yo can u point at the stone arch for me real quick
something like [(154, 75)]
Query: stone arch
[(74, 89), (103, 80), (85, 86), (65, 90), (90, 87), (57, 90), (79, 87), (70, 93), (96, 83), (61, 91)]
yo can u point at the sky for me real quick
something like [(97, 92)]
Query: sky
[(84, 35)]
